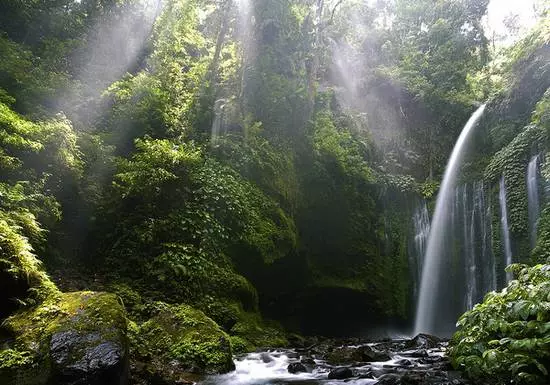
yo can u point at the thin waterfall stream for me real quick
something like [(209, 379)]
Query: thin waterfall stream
[(533, 198), (432, 299), (504, 226)]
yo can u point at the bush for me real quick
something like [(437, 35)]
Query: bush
[(507, 337)]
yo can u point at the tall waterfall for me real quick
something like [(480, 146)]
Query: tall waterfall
[(488, 267), (533, 198), (504, 226), (421, 230), (433, 301), (476, 230)]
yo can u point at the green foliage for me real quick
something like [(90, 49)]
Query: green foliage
[(138, 104), (180, 60), (257, 333), (506, 338), (256, 159), (339, 149), (32, 86), (20, 269), (182, 216), (275, 88), (511, 161), (541, 252), (239, 345), (10, 359), (541, 115)]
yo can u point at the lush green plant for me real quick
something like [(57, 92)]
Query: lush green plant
[(507, 337), (182, 217)]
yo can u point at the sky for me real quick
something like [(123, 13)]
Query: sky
[(498, 10)]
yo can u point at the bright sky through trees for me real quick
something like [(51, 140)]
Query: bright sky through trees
[(502, 14)]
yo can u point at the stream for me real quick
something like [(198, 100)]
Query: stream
[(417, 361)]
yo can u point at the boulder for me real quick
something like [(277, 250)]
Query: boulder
[(351, 354), (340, 374), (79, 358), (308, 361), (389, 379), (425, 341), (178, 341), (266, 358), (296, 367), (372, 355), (73, 339)]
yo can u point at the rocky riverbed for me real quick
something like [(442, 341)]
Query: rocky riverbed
[(417, 361)]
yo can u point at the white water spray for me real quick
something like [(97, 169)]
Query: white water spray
[(426, 311)]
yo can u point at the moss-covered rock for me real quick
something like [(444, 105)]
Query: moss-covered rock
[(258, 333), (179, 340), (71, 338)]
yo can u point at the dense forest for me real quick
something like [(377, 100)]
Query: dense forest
[(185, 181)]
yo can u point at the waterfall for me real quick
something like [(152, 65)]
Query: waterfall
[(432, 301), (533, 198), (487, 259), (504, 227), (469, 249), (421, 229)]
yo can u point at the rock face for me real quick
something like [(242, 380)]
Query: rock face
[(87, 359), (74, 339)]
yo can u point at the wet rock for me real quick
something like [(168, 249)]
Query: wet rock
[(307, 361), (372, 355), (266, 357), (420, 353), (293, 355), (296, 367), (389, 379), (80, 358), (344, 355), (349, 355), (367, 375), (340, 374), (425, 341), (403, 362)]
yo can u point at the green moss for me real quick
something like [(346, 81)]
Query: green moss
[(84, 311), (225, 313), (240, 345), (258, 333), (16, 367), (131, 299), (186, 335)]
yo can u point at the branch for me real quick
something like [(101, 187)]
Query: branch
[(331, 15), (334, 10)]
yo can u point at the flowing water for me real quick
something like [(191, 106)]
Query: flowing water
[(432, 315), (421, 230), (505, 229), (533, 198), (418, 360)]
